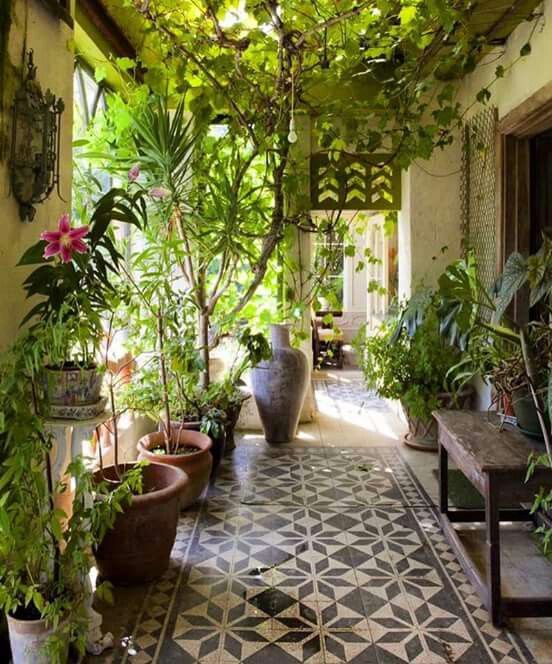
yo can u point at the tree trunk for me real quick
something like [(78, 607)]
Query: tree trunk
[(204, 349), (164, 379)]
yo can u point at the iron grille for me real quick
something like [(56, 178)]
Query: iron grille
[(478, 191)]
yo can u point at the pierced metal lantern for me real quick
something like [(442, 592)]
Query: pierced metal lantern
[(34, 163)]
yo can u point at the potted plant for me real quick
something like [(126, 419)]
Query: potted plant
[(72, 282), (44, 552), (509, 378), (413, 366), (469, 312), (137, 547)]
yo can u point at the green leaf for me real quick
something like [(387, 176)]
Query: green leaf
[(33, 255), (514, 276), (483, 95), (525, 50), (407, 14), (100, 73)]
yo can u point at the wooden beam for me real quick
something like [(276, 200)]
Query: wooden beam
[(60, 9), (531, 117), (115, 38)]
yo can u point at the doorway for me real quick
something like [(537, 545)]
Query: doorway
[(525, 200)]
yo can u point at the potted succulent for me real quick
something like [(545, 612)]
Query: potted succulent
[(44, 559), (412, 365)]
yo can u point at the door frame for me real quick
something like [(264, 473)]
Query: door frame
[(533, 116)]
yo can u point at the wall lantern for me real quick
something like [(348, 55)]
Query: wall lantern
[(34, 162)]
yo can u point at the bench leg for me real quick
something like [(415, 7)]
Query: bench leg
[(493, 551), (443, 480)]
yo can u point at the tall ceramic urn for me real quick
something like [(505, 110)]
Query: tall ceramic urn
[(279, 387)]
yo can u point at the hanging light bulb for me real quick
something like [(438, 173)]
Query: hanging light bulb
[(292, 136)]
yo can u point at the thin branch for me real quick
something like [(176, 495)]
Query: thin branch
[(334, 20)]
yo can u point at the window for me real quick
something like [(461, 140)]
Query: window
[(329, 264), (89, 99)]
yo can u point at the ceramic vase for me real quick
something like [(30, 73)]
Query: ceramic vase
[(279, 387), (27, 641)]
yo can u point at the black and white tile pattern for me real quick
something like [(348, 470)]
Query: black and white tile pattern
[(315, 555)]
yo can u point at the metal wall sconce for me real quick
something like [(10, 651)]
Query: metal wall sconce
[(34, 162)]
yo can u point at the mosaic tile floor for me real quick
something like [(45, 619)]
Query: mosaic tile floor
[(314, 555)]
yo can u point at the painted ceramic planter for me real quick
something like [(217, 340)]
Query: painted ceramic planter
[(197, 466), (279, 387), (422, 434), (72, 386), (138, 547), (27, 640)]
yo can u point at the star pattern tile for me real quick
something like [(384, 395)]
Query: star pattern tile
[(283, 562)]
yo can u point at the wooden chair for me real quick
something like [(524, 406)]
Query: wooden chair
[(327, 344)]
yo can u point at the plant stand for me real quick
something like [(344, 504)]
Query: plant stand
[(71, 439)]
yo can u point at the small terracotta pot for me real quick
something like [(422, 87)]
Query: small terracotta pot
[(197, 466), (138, 547), (218, 447)]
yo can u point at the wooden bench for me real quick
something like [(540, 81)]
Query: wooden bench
[(495, 463)]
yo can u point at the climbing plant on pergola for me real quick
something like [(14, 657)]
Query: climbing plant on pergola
[(376, 77)]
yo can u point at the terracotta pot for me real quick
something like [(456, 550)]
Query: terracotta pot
[(27, 640), (197, 466), (72, 386), (218, 447), (526, 413), (422, 435), (138, 547), (279, 387)]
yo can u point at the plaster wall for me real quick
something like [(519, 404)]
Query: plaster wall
[(528, 74), (430, 219), (431, 215), (35, 27)]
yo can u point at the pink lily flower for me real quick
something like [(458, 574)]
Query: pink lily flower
[(134, 173), (65, 241), (159, 192)]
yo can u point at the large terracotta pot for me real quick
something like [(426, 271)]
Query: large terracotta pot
[(422, 435), (197, 465), (138, 547), (279, 387), (27, 641), (72, 385)]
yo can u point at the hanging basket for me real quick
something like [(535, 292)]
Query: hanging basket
[(422, 434)]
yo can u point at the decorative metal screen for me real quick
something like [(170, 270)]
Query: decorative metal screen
[(478, 192), (354, 182)]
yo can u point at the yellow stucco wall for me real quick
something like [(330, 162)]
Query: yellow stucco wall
[(431, 213), (51, 40), (526, 76)]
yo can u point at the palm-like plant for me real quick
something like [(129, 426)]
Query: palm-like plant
[(213, 217)]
